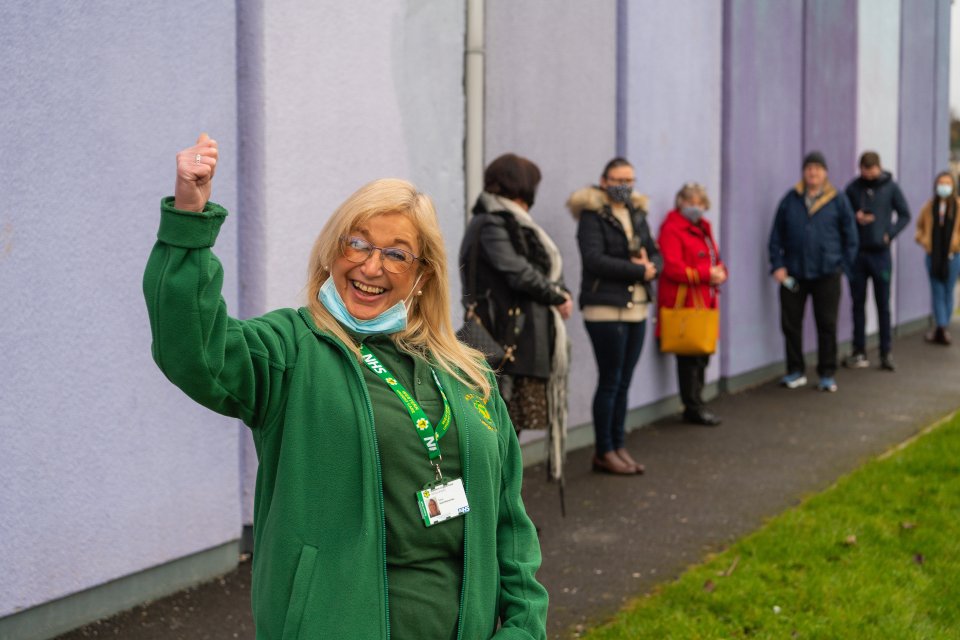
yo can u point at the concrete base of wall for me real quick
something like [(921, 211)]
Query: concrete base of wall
[(59, 616)]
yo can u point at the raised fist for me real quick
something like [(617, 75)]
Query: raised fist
[(195, 168)]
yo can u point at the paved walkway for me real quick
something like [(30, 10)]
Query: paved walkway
[(703, 489)]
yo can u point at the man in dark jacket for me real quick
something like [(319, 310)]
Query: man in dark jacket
[(875, 197), (813, 240)]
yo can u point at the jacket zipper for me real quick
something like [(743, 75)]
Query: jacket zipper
[(376, 453), (464, 436), (383, 515)]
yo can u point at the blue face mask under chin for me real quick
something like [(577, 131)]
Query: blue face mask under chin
[(392, 320)]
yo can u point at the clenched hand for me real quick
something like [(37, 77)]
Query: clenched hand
[(195, 168)]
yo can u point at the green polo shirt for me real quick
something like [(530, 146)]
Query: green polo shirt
[(424, 564)]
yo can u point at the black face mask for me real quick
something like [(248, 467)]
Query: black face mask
[(619, 192)]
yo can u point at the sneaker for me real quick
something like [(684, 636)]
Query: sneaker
[(856, 360), (793, 380), (701, 417), (886, 362), (827, 383)]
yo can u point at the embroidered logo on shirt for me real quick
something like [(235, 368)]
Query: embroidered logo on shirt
[(481, 406)]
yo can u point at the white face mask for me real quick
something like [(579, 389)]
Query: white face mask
[(944, 190), (392, 320)]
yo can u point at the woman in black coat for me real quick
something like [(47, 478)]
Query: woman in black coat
[(512, 279), (620, 260)]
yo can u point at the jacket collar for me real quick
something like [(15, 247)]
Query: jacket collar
[(829, 193), (594, 198)]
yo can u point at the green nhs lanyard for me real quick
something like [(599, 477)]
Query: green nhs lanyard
[(428, 435)]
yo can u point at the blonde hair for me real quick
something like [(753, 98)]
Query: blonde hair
[(429, 332), (690, 191)]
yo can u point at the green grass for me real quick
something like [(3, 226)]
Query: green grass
[(875, 556)]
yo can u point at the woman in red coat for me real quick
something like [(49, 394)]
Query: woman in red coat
[(690, 257)]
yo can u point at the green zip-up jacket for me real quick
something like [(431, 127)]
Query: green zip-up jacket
[(319, 564)]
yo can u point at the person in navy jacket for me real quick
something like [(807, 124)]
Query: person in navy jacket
[(813, 240), (881, 213)]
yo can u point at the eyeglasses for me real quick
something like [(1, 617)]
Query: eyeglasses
[(393, 259)]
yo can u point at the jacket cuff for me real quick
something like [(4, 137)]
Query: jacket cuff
[(190, 229), (559, 294)]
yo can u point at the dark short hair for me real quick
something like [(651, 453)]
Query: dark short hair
[(513, 177), (870, 159), (613, 164)]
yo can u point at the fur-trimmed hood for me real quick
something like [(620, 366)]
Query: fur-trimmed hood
[(594, 198)]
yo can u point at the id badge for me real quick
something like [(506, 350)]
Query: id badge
[(442, 502)]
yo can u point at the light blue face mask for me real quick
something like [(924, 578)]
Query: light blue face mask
[(944, 190), (392, 320)]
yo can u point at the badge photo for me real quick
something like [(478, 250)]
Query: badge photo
[(442, 502)]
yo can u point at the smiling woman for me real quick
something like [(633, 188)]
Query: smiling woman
[(378, 434), (372, 279)]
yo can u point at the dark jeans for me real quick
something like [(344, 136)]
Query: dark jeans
[(617, 347), (876, 266), (690, 371), (826, 303)]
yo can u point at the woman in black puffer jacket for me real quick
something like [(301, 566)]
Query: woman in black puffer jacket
[(512, 277), (620, 260)]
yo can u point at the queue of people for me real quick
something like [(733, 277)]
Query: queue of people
[(372, 481)]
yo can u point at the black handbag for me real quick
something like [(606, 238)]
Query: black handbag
[(474, 334)]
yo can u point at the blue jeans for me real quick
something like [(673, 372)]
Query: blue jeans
[(942, 292), (876, 266), (616, 346)]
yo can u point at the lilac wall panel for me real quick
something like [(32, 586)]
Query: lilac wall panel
[(878, 99), (671, 129), (917, 163), (941, 118), (107, 469), (830, 84), (830, 109), (762, 147)]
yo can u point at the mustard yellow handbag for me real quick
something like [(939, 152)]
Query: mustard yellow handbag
[(689, 331)]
